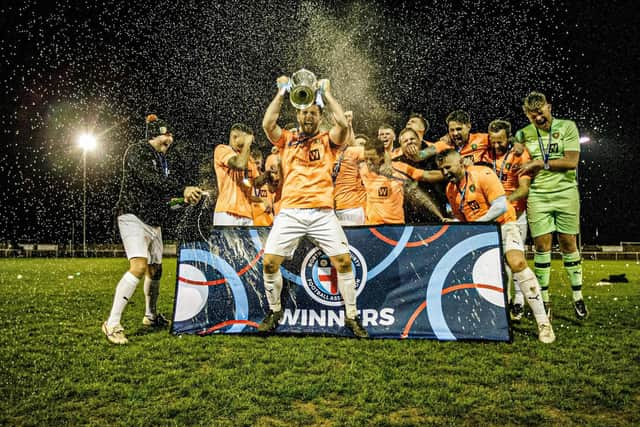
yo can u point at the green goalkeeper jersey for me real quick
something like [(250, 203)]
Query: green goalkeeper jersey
[(562, 137)]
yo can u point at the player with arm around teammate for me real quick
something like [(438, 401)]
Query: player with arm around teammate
[(476, 194)]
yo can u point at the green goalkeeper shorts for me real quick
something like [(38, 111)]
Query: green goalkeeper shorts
[(549, 212)]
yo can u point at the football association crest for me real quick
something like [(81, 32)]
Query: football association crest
[(320, 279)]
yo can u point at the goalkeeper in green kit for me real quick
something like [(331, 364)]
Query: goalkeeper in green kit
[(554, 203)]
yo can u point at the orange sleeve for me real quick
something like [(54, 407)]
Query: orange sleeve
[(441, 146), (285, 136), (222, 154), (413, 173)]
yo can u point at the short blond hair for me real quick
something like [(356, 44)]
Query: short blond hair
[(534, 101)]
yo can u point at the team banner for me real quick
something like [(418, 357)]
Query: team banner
[(441, 282)]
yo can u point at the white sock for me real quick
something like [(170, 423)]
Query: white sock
[(529, 286), (347, 287), (273, 288), (151, 293), (577, 295), (124, 290)]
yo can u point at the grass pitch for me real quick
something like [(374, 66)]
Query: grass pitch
[(58, 369)]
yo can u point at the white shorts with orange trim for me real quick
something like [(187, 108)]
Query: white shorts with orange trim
[(319, 225), (139, 239)]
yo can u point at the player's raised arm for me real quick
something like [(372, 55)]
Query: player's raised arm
[(270, 120), (340, 130)]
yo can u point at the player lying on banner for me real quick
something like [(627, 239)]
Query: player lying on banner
[(147, 186), (388, 184), (506, 163), (476, 194), (306, 207)]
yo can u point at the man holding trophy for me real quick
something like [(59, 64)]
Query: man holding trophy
[(306, 208)]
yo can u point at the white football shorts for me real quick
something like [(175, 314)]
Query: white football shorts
[(225, 218), (319, 225), (139, 239), (352, 216), (511, 238)]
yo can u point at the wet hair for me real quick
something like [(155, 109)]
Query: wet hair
[(534, 101), (375, 144), (242, 128), (386, 126), (458, 116), (441, 156), (498, 125), (405, 130), (420, 117)]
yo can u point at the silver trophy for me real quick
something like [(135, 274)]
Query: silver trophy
[(303, 89)]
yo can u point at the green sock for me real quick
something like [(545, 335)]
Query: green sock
[(573, 267), (542, 268)]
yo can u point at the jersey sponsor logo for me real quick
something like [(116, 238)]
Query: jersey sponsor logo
[(314, 155), (320, 278), (473, 205), (555, 135), (383, 192), (553, 147), (263, 193)]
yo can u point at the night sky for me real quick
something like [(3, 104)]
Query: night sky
[(73, 66)]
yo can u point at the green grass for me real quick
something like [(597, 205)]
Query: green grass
[(57, 368)]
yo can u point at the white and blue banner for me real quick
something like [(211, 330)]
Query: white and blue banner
[(441, 282)]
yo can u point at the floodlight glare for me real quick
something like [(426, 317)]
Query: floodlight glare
[(87, 142), (584, 139)]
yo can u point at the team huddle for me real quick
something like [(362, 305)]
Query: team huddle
[(321, 176)]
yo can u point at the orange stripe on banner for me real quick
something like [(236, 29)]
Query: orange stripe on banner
[(414, 244), (223, 280), (421, 307), (470, 285), (251, 264), (227, 323), (202, 282), (407, 328)]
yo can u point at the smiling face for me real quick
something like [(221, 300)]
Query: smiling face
[(451, 167), (309, 119), (540, 117), (499, 141), (459, 132), (387, 136)]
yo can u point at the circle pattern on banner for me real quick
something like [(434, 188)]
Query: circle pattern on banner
[(315, 273), (486, 271), (190, 299)]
